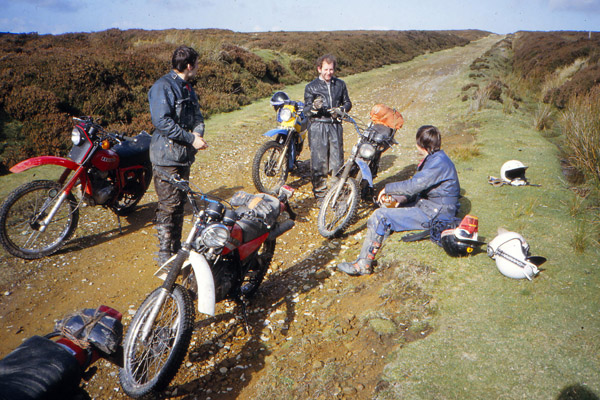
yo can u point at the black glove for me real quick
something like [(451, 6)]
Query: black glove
[(317, 104), (337, 112)]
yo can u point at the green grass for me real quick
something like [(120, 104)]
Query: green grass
[(495, 337)]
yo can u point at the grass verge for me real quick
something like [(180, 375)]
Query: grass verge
[(494, 337)]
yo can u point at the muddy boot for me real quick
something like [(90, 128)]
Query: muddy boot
[(176, 232), (362, 266), (165, 243)]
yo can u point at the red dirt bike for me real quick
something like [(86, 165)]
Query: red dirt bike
[(111, 170), (52, 366), (225, 256)]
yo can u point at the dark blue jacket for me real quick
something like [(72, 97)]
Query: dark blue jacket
[(175, 114), (434, 187)]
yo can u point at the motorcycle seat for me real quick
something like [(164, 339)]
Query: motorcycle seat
[(260, 211), (252, 228), (38, 369), (134, 152)]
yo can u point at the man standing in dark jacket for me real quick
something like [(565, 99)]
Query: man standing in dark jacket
[(433, 192), (175, 141), (325, 135)]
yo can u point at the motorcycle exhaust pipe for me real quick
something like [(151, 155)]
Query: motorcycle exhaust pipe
[(281, 229)]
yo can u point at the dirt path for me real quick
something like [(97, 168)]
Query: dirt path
[(310, 336)]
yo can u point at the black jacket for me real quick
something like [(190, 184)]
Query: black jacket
[(334, 95), (175, 114)]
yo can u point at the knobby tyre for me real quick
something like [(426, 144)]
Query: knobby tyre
[(148, 367), (266, 176), (21, 215), (335, 217), (134, 190)]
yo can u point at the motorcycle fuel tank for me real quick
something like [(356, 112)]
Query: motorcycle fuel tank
[(105, 160)]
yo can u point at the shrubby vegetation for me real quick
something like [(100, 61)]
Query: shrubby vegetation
[(46, 79), (563, 69), (542, 57), (559, 73)]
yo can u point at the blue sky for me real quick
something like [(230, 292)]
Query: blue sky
[(499, 16)]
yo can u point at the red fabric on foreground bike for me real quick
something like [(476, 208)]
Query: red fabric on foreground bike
[(111, 170)]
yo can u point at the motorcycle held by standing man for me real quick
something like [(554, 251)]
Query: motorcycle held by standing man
[(323, 97)]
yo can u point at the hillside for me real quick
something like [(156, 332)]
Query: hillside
[(47, 79)]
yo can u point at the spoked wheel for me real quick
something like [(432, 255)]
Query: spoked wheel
[(149, 365), (336, 213), (266, 176), (22, 216), (256, 274), (135, 188)]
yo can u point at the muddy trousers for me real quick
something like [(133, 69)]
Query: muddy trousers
[(169, 211), (326, 143)]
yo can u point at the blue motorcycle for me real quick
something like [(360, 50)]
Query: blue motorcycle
[(355, 177), (276, 158)]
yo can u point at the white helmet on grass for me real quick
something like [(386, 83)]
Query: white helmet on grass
[(511, 253), (513, 172)]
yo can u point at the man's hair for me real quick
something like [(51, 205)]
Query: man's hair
[(182, 56), (429, 138), (330, 58)]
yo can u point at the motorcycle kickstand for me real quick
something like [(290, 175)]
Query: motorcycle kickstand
[(119, 222), (241, 301)]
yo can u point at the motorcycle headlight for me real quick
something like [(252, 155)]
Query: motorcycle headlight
[(366, 151), (284, 115), (76, 136), (215, 236)]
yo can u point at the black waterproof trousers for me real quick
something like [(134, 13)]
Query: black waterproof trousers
[(326, 143), (169, 211)]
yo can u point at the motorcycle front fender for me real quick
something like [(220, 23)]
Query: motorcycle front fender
[(206, 283), (204, 280), (275, 132), (80, 174), (366, 171), (44, 160)]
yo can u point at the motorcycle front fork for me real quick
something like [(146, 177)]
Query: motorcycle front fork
[(44, 224), (342, 181), (165, 290), (284, 153)]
